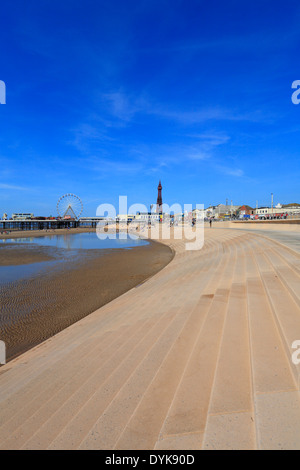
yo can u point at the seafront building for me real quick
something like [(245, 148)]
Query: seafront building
[(147, 216), (156, 213), (159, 203), (124, 218), (219, 211), (245, 210), (22, 216), (288, 209), (225, 209), (222, 211)]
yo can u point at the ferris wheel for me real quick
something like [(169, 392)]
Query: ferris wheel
[(69, 206)]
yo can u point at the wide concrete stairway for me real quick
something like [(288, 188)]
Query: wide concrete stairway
[(197, 357)]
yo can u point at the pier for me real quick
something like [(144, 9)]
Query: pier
[(47, 224)]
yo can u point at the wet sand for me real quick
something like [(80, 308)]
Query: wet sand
[(34, 309), (14, 255), (4, 234)]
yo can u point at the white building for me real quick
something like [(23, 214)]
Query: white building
[(278, 209), (215, 211), (125, 217), (22, 216), (147, 217), (199, 214), (223, 209)]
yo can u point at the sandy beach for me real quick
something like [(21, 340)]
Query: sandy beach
[(5, 234), (38, 307), (197, 357), (14, 255)]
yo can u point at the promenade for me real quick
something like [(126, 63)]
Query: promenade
[(197, 357)]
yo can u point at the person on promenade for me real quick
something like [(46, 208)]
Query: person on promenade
[(210, 222)]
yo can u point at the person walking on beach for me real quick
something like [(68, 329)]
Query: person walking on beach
[(210, 222)]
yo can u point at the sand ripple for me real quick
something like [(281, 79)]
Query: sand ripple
[(32, 310)]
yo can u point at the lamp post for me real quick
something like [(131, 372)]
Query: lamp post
[(272, 202)]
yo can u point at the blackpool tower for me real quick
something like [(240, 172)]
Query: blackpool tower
[(159, 200)]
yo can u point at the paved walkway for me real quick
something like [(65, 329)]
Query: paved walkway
[(197, 357), (289, 239)]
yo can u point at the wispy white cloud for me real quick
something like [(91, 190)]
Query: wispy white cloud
[(203, 115), (234, 172), (236, 43), (86, 135), (102, 167), (230, 171), (197, 155), (212, 139), (13, 187), (125, 107)]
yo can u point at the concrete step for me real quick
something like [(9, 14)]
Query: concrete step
[(51, 377), (270, 364), (287, 274), (187, 414), (286, 310), (143, 427), (287, 314), (185, 421), (272, 374), (34, 412), (132, 390), (230, 424), (84, 394)]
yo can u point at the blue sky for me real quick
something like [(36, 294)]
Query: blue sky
[(104, 98)]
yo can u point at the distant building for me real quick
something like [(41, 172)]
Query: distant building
[(125, 217), (289, 209), (159, 203), (221, 210), (263, 210), (198, 214), (294, 206), (93, 219), (22, 216), (245, 210), (147, 216)]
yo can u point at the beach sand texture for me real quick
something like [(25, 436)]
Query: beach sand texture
[(37, 307), (197, 357)]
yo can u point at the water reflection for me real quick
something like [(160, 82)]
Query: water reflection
[(70, 248), (84, 241), (10, 274)]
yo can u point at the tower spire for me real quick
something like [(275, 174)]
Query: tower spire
[(159, 199)]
